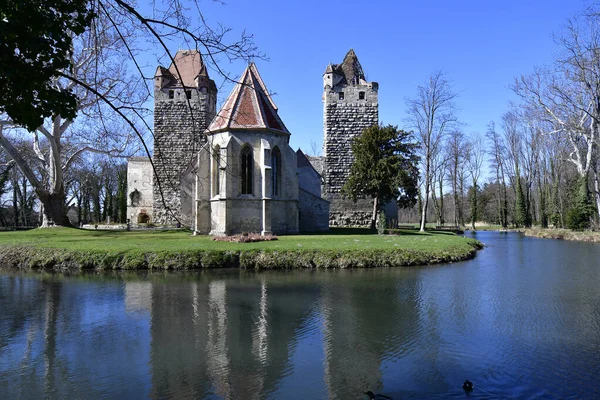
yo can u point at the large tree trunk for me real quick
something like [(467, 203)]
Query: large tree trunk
[(53, 208)]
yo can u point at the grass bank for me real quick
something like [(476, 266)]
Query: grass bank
[(60, 248), (564, 234)]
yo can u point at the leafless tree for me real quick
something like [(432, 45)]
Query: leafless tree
[(455, 150), (112, 87), (497, 152), (567, 94), (474, 159), (431, 114)]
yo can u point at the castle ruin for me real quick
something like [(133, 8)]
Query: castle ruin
[(350, 104)]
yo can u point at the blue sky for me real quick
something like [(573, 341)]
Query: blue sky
[(481, 46)]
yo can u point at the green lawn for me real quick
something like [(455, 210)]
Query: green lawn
[(182, 247)]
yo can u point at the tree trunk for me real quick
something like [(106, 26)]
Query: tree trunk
[(54, 210), (15, 205), (424, 211), (474, 205), (374, 217), (441, 183)]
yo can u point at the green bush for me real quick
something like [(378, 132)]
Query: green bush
[(381, 223), (578, 218)]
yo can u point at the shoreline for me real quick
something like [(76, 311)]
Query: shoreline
[(563, 234), (34, 258)]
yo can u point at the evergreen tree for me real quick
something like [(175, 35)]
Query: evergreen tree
[(520, 204), (384, 168), (580, 214), (122, 197)]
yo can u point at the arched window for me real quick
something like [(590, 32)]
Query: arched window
[(216, 170), (246, 170), (276, 172)]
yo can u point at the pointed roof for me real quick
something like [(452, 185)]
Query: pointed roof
[(350, 69), (186, 66), (249, 106)]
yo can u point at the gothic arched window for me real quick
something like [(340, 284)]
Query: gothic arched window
[(276, 172), (246, 169)]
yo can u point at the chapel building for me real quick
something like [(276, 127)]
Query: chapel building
[(236, 173)]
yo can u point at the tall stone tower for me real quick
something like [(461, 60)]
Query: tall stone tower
[(350, 104), (184, 105)]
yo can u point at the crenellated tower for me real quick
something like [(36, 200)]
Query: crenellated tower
[(350, 104), (184, 105)]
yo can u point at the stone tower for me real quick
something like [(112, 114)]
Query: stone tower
[(184, 104), (350, 104)]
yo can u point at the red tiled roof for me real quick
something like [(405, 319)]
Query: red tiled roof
[(249, 106)]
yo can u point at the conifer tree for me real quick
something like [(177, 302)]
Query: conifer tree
[(384, 168)]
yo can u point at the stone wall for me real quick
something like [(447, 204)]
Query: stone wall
[(179, 125), (344, 119), (139, 180), (313, 212)]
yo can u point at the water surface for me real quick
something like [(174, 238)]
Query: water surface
[(521, 320)]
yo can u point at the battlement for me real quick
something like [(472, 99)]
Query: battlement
[(185, 101), (350, 104)]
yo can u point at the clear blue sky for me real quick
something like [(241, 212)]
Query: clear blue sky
[(481, 46)]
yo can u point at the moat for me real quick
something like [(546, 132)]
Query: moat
[(521, 320)]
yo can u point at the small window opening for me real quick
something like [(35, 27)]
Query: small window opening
[(171, 94), (188, 94), (361, 95), (341, 94)]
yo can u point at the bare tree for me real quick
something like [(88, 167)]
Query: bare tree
[(431, 115), (438, 175), (111, 97), (567, 95), (455, 150), (475, 158), (497, 152), (98, 62)]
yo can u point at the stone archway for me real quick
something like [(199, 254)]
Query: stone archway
[(143, 217)]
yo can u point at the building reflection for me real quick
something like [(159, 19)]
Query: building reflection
[(377, 321), (247, 336), (227, 338)]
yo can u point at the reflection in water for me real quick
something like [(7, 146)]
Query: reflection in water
[(521, 320), (218, 363)]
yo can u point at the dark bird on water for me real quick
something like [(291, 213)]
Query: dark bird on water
[(374, 396), (468, 385)]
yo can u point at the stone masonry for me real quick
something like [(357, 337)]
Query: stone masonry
[(184, 105), (350, 104)]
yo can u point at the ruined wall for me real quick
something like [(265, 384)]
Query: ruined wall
[(139, 180), (178, 136), (344, 119)]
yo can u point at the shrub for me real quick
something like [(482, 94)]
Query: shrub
[(578, 218), (381, 223), (246, 238)]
